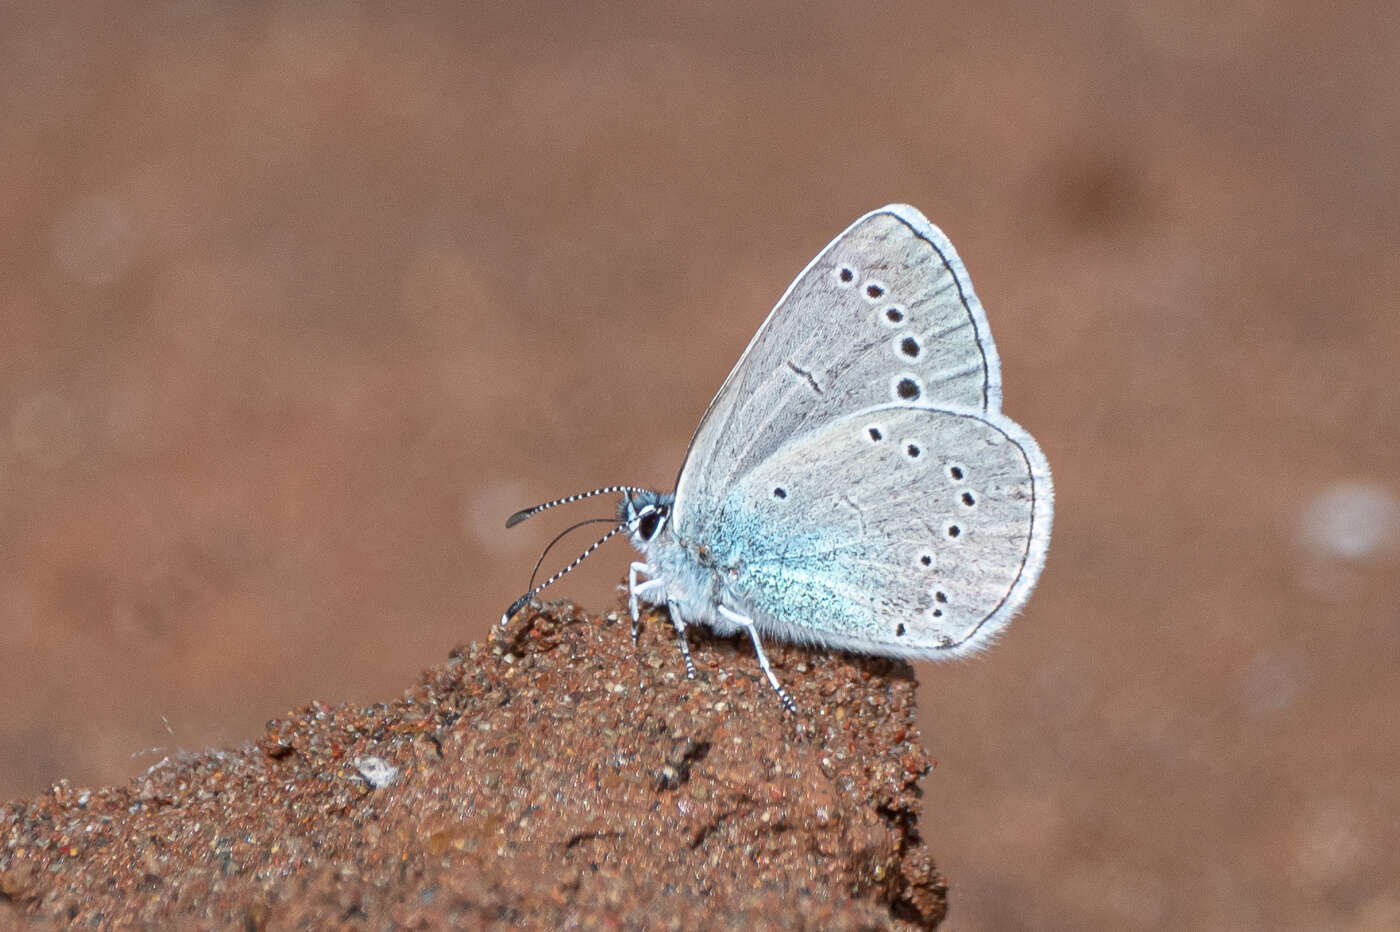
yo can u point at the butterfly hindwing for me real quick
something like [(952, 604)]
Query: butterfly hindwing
[(900, 530)]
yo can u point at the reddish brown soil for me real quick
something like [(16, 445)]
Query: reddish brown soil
[(554, 778)]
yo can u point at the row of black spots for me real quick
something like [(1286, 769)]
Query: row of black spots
[(940, 598), (913, 449), (905, 346), (907, 387), (848, 276), (958, 473), (890, 314), (900, 630), (935, 611)]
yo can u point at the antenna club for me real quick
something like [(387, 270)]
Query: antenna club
[(515, 606)]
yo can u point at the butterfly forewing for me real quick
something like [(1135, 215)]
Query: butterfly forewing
[(897, 530), (886, 313)]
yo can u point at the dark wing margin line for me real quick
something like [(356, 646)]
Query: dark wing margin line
[(962, 299), (1030, 538)]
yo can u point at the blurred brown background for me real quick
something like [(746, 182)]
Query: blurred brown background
[(299, 301)]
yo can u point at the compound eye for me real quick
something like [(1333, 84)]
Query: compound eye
[(648, 525)]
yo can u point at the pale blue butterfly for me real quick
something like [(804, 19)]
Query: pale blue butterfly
[(854, 484)]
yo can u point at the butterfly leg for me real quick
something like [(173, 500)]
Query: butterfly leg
[(747, 624), (632, 572), (635, 588), (674, 611)]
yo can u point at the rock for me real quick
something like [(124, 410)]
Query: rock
[(584, 782)]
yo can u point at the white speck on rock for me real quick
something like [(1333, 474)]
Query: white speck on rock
[(377, 772)]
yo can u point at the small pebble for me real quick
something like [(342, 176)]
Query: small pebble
[(376, 771)]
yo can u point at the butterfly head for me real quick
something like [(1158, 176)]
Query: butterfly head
[(645, 514)]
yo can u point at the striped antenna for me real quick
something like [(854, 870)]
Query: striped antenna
[(519, 516), (519, 603)]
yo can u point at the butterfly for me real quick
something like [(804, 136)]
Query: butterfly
[(854, 483)]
